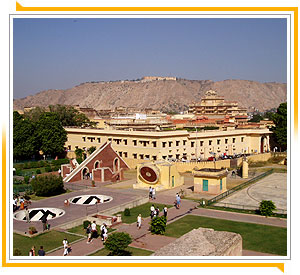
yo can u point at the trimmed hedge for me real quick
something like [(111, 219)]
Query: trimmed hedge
[(48, 185)]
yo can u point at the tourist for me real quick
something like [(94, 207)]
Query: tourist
[(41, 251), (22, 203), (89, 233), (152, 209), (154, 213), (27, 214), (139, 221), (150, 192), (104, 233), (15, 204), (67, 247), (94, 230), (153, 193), (44, 222), (32, 251), (165, 211), (178, 201), (157, 211)]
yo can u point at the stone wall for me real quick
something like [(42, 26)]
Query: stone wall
[(204, 242)]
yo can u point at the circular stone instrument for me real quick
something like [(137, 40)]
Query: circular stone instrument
[(149, 174), (36, 214), (90, 199)]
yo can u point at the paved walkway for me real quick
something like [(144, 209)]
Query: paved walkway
[(143, 239)]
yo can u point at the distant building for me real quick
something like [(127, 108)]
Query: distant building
[(214, 106)]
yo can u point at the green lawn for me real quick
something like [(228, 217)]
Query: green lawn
[(81, 231), (256, 237), (143, 209), (49, 240), (133, 250)]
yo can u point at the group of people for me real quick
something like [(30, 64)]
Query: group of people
[(20, 203), (41, 251), (154, 211), (92, 232), (152, 193)]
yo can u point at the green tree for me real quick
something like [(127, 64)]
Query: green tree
[(280, 129), (117, 243), (69, 116), (266, 208), (48, 185), (256, 118), (92, 149), (50, 134), (24, 141), (35, 114), (158, 225)]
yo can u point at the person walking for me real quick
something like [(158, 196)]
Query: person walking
[(66, 247), (139, 221), (152, 209), (44, 222), (104, 233), (41, 251), (178, 201), (165, 211), (157, 211), (89, 233), (94, 230), (27, 215), (150, 193), (153, 193)]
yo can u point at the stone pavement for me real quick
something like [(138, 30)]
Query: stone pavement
[(143, 239)]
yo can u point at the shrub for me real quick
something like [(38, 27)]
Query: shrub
[(48, 185), (26, 179), (19, 166), (48, 169), (19, 172), (91, 149), (266, 208), (85, 224), (27, 165), (117, 242), (38, 171), (34, 164), (17, 252), (158, 225), (127, 212)]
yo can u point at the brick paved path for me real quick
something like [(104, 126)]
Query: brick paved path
[(143, 238)]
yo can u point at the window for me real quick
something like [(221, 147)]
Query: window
[(201, 143), (242, 139), (218, 141), (117, 140), (69, 147), (154, 157), (177, 156), (134, 156), (184, 142), (109, 139), (164, 144), (120, 154), (76, 147), (226, 140), (233, 140), (134, 142), (210, 142), (125, 141), (125, 154), (83, 139), (147, 156), (141, 156), (170, 143), (177, 142), (164, 157), (99, 140), (192, 143), (221, 184), (154, 143)]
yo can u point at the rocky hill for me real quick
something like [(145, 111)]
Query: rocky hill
[(165, 95)]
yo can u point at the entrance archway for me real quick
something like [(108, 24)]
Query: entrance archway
[(262, 141), (85, 173), (116, 165)]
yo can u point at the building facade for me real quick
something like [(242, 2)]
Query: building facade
[(142, 145)]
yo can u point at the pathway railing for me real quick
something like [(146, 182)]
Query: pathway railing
[(238, 187)]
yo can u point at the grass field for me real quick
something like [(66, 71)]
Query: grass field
[(143, 209), (49, 240), (256, 237), (133, 250)]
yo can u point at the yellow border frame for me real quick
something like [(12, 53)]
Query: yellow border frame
[(21, 8)]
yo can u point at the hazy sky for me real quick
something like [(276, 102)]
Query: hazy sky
[(62, 53)]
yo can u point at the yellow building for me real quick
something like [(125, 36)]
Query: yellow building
[(210, 181), (159, 175), (147, 145), (214, 106)]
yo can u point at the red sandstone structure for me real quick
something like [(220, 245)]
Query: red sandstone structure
[(104, 164)]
